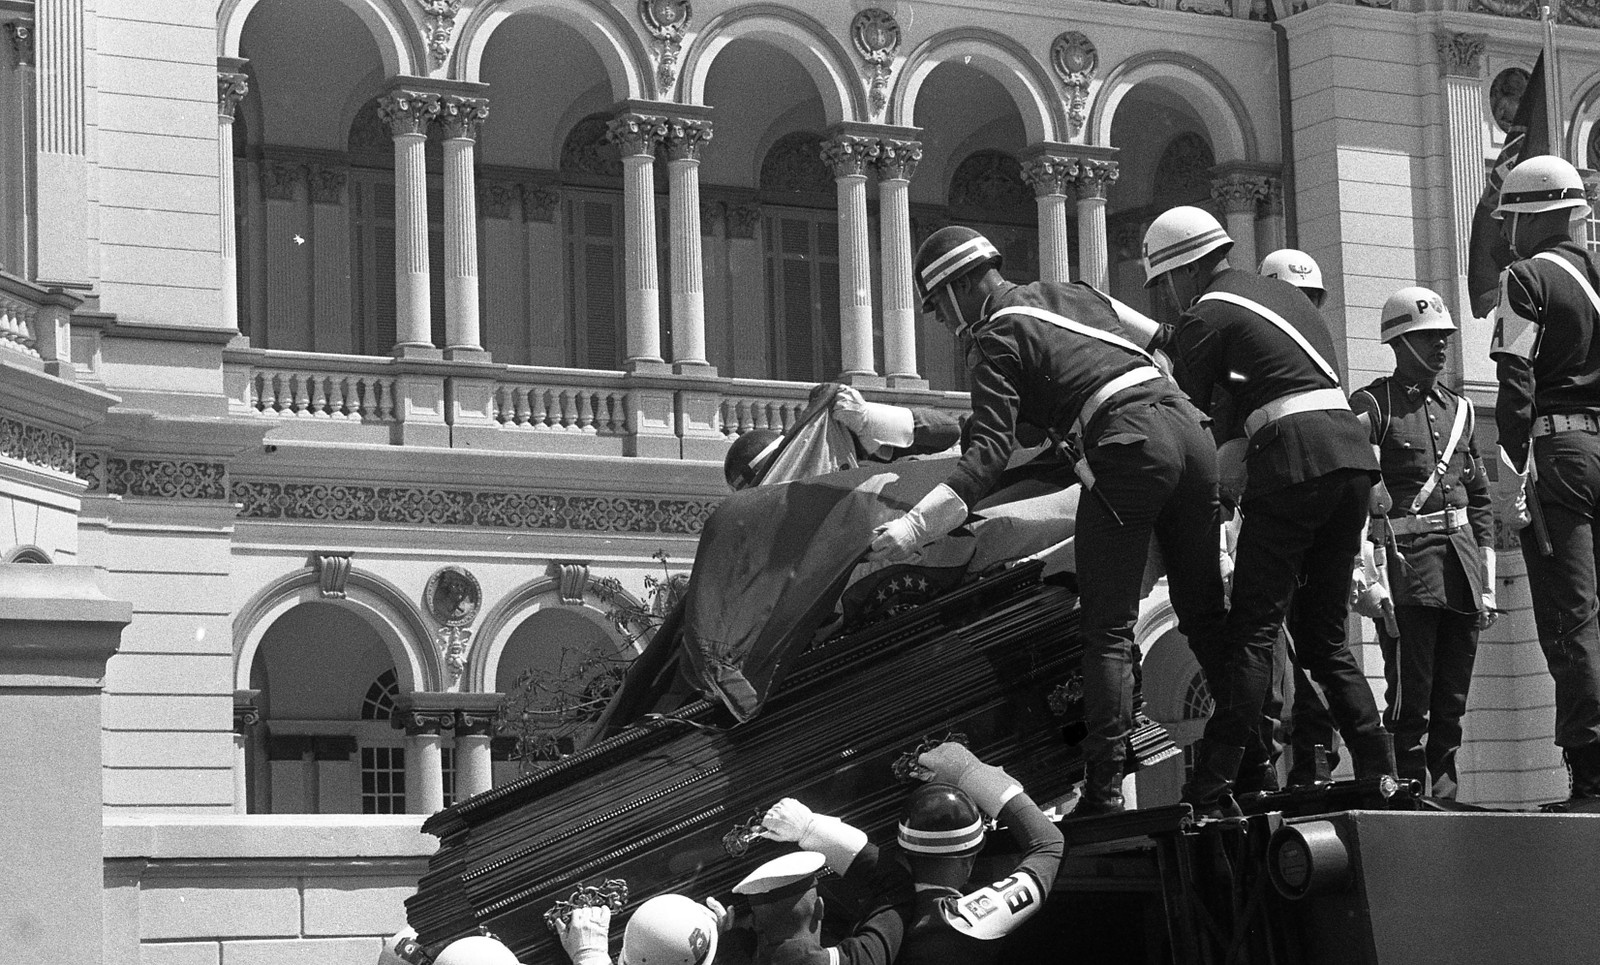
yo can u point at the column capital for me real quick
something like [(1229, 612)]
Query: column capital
[(1094, 177), (847, 155), (635, 134), (21, 34), (685, 136), (1461, 54), (1274, 197), (418, 722), (1239, 187), (408, 111), (1049, 174), (460, 115), (897, 158), (246, 714)]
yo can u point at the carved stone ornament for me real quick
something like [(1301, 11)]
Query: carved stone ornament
[(327, 183), (408, 111), (572, 579), (280, 180), (439, 27), (1214, 8), (539, 202), (1239, 192), (333, 569), (1584, 13), (1075, 61), (876, 35), (1505, 96), (1095, 176), (495, 198), (461, 116), (455, 645), (245, 717), (1525, 9), (636, 135), (795, 165), (897, 160), (666, 20), (743, 219), (991, 181), (685, 137), (46, 448), (848, 155), (453, 596), (1049, 175), (21, 34), (231, 89)]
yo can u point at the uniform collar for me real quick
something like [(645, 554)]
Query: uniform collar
[(1413, 390)]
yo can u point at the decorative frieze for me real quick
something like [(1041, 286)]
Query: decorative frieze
[(439, 27), (1094, 177), (280, 180), (710, 216), (1048, 174), (847, 155), (418, 506), (876, 35), (231, 89), (1584, 13), (897, 159), (38, 446), (90, 467), (1075, 60), (20, 33), (495, 198), (743, 217), (408, 111), (1461, 54), (166, 478), (666, 20), (539, 202), (684, 137), (326, 182), (636, 135), (1214, 8), (462, 116), (1524, 9)]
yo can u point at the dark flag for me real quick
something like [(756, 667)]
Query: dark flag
[(1487, 253)]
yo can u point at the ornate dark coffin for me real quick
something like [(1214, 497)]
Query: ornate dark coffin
[(993, 661)]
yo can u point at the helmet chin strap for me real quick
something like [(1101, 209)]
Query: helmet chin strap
[(1512, 241), (1414, 354)]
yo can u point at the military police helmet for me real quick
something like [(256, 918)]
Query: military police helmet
[(948, 254), (748, 456), (940, 820), (1542, 183), (1179, 236), (476, 950), (1295, 267), (1414, 309), (670, 930)]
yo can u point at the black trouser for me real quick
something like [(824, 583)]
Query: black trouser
[(1563, 584), (1428, 670), (1309, 534), (1155, 466)]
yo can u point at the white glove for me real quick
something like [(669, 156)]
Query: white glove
[(901, 538), (1520, 516), (952, 763), (875, 424), (723, 915), (789, 820), (1373, 601), (585, 935), (1486, 615)]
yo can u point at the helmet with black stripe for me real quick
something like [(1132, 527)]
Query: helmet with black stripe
[(1179, 236), (946, 255), (940, 820), (1542, 183)]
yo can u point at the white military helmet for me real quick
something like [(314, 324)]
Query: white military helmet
[(1295, 267), (1179, 236), (397, 946), (476, 950), (1414, 309), (1541, 183), (670, 930)]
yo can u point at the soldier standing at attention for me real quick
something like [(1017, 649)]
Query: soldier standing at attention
[(1439, 539), (1310, 480), (1547, 351)]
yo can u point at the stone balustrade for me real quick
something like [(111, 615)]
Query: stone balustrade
[(341, 388), (537, 399)]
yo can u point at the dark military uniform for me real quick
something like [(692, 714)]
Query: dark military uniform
[(1153, 463), (1310, 475), (1548, 350), (1435, 566)]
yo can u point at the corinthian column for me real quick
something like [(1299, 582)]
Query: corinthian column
[(637, 135), (1461, 63), (232, 86), (1239, 192), (60, 165), (684, 137), (848, 155), (897, 161), (1052, 176), (460, 116), (408, 114), (1094, 176)]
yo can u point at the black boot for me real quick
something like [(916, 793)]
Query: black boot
[(1208, 790), (1373, 756), (1102, 790), (1583, 764)]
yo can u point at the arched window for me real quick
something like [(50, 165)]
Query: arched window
[(379, 702), (801, 239), (988, 192), (1183, 175), (1197, 701)]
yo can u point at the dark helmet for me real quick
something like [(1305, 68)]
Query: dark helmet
[(940, 820), (740, 466), (948, 254)]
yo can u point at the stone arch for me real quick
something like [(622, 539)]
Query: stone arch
[(1027, 81), (1232, 135), (495, 631), (398, 622), (817, 50), (1583, 124), (626, 61), (393, 29)]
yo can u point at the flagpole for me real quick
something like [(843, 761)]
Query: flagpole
[(1552, 87)]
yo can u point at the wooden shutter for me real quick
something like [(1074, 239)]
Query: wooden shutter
[(594, 263)]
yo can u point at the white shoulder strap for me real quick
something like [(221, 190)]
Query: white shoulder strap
[(1061, 321), (1463, 407), (1277, 320), (1577, 276)]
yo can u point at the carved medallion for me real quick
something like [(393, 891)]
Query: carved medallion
[(439, 17), (453, 596), (1505, 95), (1075, 60), (876, 35), (666, 20)]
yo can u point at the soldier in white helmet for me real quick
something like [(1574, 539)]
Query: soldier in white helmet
[(1310, 478), (1298, 269), (665, 930), (1546, 344), (1438, 540)]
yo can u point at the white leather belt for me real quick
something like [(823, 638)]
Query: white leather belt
[(1444, 521), (1573, 422), (1104, 394), (1314, 400)]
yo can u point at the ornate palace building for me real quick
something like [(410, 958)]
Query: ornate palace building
[(361, 355)]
